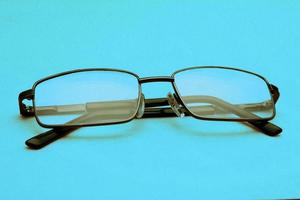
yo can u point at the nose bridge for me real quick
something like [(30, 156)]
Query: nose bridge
[(156, 79)]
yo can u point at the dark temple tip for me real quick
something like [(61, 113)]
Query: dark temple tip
[(33, 143), (272, 129), (267, 128), (43, 139)]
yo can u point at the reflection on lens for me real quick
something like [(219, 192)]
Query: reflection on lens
[(87, 97), (219, 93)]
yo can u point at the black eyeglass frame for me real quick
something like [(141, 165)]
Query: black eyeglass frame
[(29, 111)]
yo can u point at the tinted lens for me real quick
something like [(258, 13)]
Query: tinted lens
[(219, 93), (87, 97)]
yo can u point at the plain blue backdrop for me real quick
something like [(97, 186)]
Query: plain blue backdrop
[(154, 158)]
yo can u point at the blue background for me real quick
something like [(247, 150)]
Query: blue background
[(153, 158)]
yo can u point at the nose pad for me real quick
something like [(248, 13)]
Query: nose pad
[(141, 109), (174, 105)]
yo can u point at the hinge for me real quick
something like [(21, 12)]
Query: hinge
[(26, 110)]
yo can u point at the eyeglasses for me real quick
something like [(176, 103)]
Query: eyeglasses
[(101, 96)]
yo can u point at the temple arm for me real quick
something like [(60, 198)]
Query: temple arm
[(27, 111), (150, 111), (43, 139), (114, 108), (261, 125)]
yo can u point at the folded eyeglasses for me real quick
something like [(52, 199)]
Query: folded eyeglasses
[(102, 96)]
